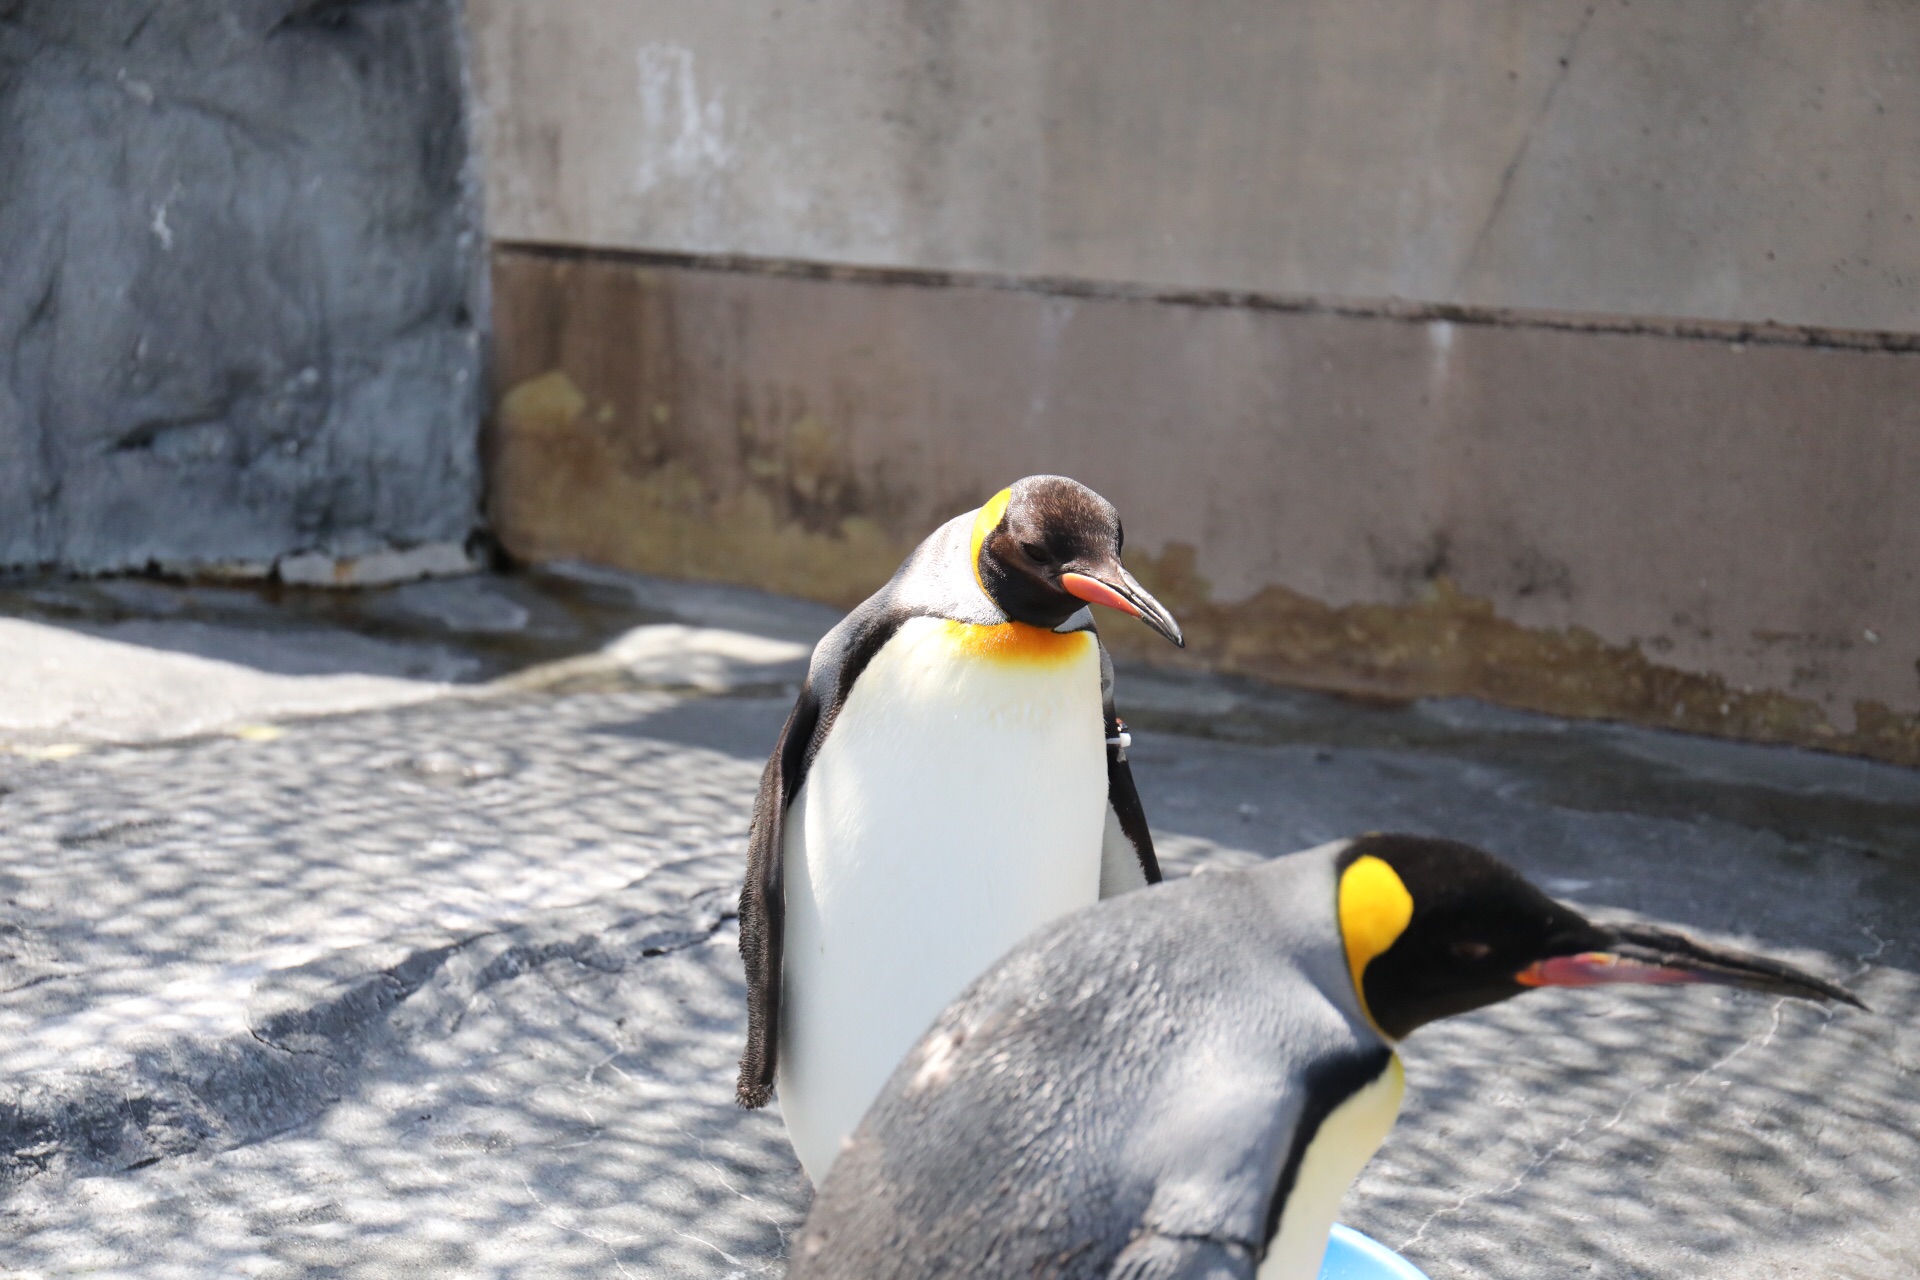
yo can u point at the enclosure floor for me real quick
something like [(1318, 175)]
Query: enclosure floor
[(390, 935)]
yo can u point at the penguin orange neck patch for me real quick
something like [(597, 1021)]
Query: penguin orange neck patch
[(1016, 642), (1375, 909), (985, 521)]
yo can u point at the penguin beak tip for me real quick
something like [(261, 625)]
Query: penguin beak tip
[(1163, 624), (1115, 588)]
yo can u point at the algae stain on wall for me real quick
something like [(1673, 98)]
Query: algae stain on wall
[(1450, 644), (565, 488), (786, 513)]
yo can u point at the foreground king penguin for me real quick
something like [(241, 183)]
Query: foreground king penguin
[(952, 776), (1183, 1083)]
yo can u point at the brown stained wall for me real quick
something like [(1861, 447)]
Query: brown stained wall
[(1675, 528)]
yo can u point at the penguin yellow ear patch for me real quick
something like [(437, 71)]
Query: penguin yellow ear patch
[(985, 522), (1375, 909)]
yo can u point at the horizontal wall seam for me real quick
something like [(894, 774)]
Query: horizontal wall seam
[(1761, 333)]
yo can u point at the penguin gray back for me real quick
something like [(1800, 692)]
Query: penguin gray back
[(1125, 1085)]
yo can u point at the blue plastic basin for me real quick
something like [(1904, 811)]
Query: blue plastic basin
[(1352, 1256)]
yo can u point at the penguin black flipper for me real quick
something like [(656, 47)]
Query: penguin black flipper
[(1127, 824), (837, 662), (763, 898)]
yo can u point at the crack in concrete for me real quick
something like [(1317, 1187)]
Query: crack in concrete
[(281, 1048), (760, 1206), (612, 1246), (1668, 1093), (1539, 1161), (1761, 1041), (1520, 152)]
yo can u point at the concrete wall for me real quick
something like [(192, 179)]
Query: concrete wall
[(241, 286), (1561, 354), (1726, 159)]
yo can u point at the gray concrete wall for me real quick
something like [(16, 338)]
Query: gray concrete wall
[(242, 292), (1726, 159), (1558, 353)]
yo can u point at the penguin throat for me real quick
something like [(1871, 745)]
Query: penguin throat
[(1375, 909), (1016, 642)]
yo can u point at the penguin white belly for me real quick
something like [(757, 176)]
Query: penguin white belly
[(1345, 1142), (958, 801)]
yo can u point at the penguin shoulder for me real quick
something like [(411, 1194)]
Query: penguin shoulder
[(1233, 1119), (938, 580), (935, 581)]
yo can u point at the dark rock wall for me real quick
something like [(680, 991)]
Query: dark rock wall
[(240, 285)]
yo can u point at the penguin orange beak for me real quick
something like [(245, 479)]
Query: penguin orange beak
[(1658, 957), (1116, 589)]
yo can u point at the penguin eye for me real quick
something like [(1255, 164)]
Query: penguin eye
[(1036, 553), (1472, 950)]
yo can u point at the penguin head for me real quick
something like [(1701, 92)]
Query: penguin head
[(1047, 546), (1433, 928)]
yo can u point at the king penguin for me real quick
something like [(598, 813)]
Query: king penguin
[(1183, 1083), (952, 775)]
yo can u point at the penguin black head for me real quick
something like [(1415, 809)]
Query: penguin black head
[(1046, 546), (1434, 928)]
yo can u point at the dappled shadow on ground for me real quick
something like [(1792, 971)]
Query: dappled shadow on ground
[(1659, 1133), (574, 1124), (147, 890), (578, 1121)]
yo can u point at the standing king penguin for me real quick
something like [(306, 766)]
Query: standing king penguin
[(952, 776), (1181, 1085)]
